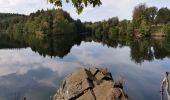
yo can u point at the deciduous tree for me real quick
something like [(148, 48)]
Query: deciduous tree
[(163, 16), (78, 4)]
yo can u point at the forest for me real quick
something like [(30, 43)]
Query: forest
[(146, 22), (54, 32), (41, 23)]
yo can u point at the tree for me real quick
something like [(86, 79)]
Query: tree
[(113, 21), (150, 14), (78, 4), (138, 14), (98, 32), (163, 16), (113, 32), (80, 27), (130, 29), (144, 28), (167, 29), (123, 27)]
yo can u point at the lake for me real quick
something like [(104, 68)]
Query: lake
[(35, 68)]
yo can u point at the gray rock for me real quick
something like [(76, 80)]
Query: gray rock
[(90, 84)]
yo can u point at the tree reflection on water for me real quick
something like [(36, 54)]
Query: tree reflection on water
[(140, 49)]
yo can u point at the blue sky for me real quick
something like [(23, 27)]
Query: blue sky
[(110, 8)]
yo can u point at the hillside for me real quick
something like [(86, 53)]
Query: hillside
[(50, 22)]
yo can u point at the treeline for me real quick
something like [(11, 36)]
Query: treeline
[(50, 22), (146, 21), (7, 18), (110, 28)]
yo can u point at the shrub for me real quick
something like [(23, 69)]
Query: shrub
[(144, 28), (167, 29)]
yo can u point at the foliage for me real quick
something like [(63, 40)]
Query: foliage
[(113, 21), (42, 23), (78, 4), (23, 31), (123, 27), (163, 16), (167, 29), (138, 14), (6, 19), (130, 28), (150, 14), (146, 20), (113, 32), (50, 22), (157, 28), (144, 28)]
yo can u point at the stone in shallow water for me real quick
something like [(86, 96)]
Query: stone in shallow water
[(81, 86)]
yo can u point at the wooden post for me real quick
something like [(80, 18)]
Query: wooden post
[(165, 85)]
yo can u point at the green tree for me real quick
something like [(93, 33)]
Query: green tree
[(150, 14), (167, 29), (163, 16), (98, 33), (144, 28), (113, 32), (138, 14), (130, 28), (122, 27), (79, 26), (113, 21), (78, 4)]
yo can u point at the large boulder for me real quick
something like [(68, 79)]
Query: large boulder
[(90, 84)]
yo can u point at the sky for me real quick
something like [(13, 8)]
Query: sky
[(109, 8)]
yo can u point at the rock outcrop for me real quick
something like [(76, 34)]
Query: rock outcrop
[(90, 84)]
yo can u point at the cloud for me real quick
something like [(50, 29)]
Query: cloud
[(87, 54), (23, 6), (109, 8), (24, 60)]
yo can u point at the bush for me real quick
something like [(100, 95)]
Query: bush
[(123, 27), (130, 28), (144, 28), (113, 32), (167, 29)]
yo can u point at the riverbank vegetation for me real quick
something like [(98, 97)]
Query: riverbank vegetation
[(54, 32), (39, 24), (146, 22)]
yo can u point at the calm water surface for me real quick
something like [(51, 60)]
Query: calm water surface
[(24, 72)]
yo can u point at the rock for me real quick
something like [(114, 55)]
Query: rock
[(93, 70), (90, 84), (118, 84), (86, 95)]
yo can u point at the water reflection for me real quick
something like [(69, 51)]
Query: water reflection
[(24, 72), (60, 46)]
